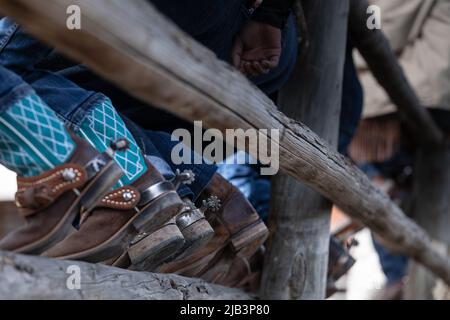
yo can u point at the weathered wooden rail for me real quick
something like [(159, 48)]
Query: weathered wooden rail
[(29, 277), (131, 44)]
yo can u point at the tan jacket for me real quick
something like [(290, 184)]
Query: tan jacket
[(419, 31)]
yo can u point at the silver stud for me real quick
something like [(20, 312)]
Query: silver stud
[(69, 174), (127, 196)]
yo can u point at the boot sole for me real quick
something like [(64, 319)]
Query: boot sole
[(169, 243), (196, 236), (159, 210), (92, 193), (244, 243), (152, 251), (255, 232)]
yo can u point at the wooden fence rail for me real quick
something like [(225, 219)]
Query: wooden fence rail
[(28, 277), (131, 44)]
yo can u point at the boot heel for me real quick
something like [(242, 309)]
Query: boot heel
[(196, 235), (151, 251), (158, 212), (255, 234)]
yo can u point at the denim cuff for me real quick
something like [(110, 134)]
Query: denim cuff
[(166, 171), (185, 192), (14, 95), (203, 175), (77, 117)]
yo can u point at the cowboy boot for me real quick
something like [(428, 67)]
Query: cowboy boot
[(237, 229), (196, 230), (147, 251), (51, 201), (339, 263), (181, 236), (111, 232), (237, 272)]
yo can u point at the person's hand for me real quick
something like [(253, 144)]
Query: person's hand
[(257, 48)]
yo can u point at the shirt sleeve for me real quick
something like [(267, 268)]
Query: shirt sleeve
[(274, 12)]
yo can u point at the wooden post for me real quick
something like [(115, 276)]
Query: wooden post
[(430, 200), (420, 282), (430, 208), (164, 67), (297, 258)]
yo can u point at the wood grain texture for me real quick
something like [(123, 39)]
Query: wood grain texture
[(30, 277), (297, 258), (131, 44)]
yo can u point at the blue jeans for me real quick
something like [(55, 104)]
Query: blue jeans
[(12, 89), (158, 146), (215, 24), (72, 102)]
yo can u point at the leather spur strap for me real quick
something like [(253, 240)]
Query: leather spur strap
[(39, 192), (124, 198)]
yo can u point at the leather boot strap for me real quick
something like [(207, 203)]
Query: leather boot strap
[(39, 192), (124, 198)]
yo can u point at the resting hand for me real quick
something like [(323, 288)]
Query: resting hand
[(257, 48)]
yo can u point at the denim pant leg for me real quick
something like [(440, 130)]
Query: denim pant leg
[(21, 54), (394, 266), (248, 180), (12, 88), (154, 156), (213, 23), (18, 51), (203, 172)]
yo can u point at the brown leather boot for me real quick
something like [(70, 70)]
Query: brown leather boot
[(155, 248), (196, 230), (51, 201), (181, 236), (238, 231), (121, 219)]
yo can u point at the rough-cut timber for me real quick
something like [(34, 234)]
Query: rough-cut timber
[(383, 63), (131, 44), (30, 277), (297, 258)]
